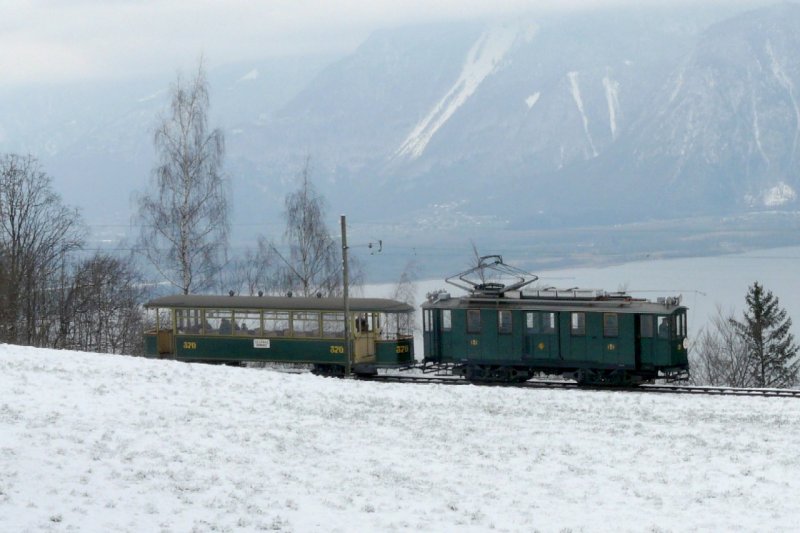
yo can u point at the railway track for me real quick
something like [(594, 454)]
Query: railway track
[(555, 384)]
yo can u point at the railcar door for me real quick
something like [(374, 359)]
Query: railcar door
[(663, 349), (645, 351), (430, 333), (474, 336), (575, 336), (164, 339), (637, 341), (443, 320), (541, 335), (366, 333)]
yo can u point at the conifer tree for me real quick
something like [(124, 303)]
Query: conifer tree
[(765, 330)]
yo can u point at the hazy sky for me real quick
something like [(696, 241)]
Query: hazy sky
[(64, 40)]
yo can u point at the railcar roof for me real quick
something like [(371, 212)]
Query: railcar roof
[(282, 303), (544, 304)]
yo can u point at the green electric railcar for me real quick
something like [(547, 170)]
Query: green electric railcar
[(503, 333), (236, 329)]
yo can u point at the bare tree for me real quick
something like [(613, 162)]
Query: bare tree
[(36, 233), (185, 218), (406, 290), (312, 263), (251, 273), (720, 356), (101, 309)]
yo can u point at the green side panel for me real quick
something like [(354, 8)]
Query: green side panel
[(488, 337), (451, 345), (543, 346), (619, 350), (573, 347), (648, 352), (391, 353), (594, 341), (662, 354), (150, 345), (283, 350), (680, 356)]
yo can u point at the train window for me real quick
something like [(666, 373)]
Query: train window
[(247, 322), (188, 320), (365, 322), (610, 325), (403, 324), (426, 320), (333, 325), (305, 324), (473, 320), (532, 322), (276, 323), (218, 321), (663, 327), (548, 323), (447, 320), (646, 326), (504, 323), (162, 319), (578, 324)]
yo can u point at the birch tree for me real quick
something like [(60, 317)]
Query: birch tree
[(184, 218), (311, 260)]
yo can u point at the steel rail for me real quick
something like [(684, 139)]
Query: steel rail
[(553, 384)]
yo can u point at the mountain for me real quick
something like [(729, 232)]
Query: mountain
[(601, 117), (724, 132), (606, 116)]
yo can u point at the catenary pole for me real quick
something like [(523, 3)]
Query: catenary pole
[(345, 285)]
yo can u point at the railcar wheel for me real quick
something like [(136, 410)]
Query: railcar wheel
[(328, 371)]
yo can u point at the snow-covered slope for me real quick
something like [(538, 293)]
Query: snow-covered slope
[(109, 443), (484, 58)]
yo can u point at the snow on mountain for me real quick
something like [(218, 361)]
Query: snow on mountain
[(531, 100), (576, 95), (778, 195), (250, 76), (483, 59), (110, 443), (612, 97)]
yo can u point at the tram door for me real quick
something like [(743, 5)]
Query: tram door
[(164, 342), (367, 330)]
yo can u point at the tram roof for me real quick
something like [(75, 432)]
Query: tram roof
[(541, 304), (279, 303)]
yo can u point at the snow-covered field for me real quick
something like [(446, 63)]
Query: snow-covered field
[(110, 443)]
